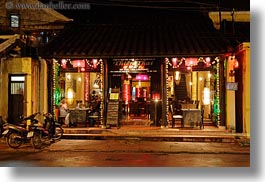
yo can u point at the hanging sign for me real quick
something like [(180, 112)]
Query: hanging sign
[(131, 65)]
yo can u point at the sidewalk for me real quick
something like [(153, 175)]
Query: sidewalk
[(208, 134)]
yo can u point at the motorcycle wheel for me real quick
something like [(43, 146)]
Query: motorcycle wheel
[(13, 140), (58, 133), (36, 140)]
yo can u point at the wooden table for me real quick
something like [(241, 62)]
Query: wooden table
[(191, 117)]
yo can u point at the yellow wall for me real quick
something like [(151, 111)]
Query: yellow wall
[(245, 50), (26, 68), (230, 98), (43, 87), (239, 16), (4, 90), (17, 66)]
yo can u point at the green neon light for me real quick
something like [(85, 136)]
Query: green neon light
[(57, 91)]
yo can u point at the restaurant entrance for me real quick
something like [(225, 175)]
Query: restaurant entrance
[(138, 87)]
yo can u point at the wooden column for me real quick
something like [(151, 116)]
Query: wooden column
[(105, 91), (164, 93)]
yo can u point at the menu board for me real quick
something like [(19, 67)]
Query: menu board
[(113, 113), (114, 96)]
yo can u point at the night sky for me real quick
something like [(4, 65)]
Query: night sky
[(105, 8)]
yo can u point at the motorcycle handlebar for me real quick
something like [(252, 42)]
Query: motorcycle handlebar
[(47, 114), (32, 116)]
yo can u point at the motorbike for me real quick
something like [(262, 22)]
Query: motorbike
[(50, 132), (1, 126), (17, 134)]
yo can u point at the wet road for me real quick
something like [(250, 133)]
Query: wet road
[(127, 153)]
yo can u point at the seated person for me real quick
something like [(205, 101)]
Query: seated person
[(91, 112), (63, 109)]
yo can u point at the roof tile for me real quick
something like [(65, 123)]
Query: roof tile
[(137, 40)]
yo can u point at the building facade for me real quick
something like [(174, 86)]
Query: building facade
[(23, 74), (141, 59)]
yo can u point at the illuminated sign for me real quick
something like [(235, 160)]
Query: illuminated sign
[(131, 65)]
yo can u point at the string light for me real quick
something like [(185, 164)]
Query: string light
[(190, 62), (167, 85), (91, 63)]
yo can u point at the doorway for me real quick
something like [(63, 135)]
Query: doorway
[(16, 91)]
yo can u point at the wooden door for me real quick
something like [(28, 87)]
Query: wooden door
[(16, 92)]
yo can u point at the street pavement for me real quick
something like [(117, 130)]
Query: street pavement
[(135, 146), (127, 153)]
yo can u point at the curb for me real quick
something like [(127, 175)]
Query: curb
[(169, 138)]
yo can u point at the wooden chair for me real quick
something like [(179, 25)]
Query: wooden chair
[(176, 116)]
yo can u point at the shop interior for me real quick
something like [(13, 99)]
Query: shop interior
[(193, 90)]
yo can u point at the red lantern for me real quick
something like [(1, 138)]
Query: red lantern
[(95, 63), (78, 63), (174, 62), (64, 66), (126, 92), (138, 92), (141, 77), (191, 62), (63, 63), (156, 96), (208, 60), (236, 64)]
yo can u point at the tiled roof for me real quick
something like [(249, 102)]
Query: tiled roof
[(2, 40), (7, 41), (180, 37), (31, 18)]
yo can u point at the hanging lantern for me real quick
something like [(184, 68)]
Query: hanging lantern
[(126, 91), (174, 62), (177, 77), (95, 63), (208, 60), (63, 63), (191, 62), (78, 63), (236, 64), (156, 96), (141, 77)]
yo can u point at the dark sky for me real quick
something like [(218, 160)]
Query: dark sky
[(109, 7), (170, 4)]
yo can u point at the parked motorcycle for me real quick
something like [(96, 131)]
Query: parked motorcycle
[(1, 126), (51, 131), (18, 134)]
